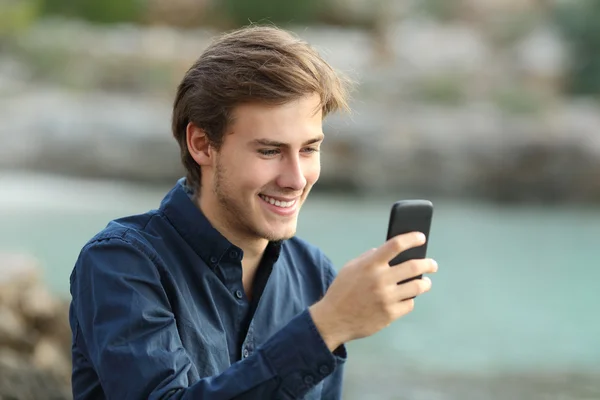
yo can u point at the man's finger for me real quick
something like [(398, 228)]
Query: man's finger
[(413, 288), (392, 247), (412, 268)]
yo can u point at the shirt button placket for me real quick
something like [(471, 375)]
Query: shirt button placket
[(309, 379), (324, 369)]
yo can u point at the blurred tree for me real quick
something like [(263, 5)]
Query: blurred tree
[(217, 13), (16, 15), (442, 10), (243, 12), (580, 23), (180, 13), (100, 11)]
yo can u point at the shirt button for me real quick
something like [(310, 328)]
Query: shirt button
[(309, 380), (245, 353), (213, 260), (239, 294), (324, 369), (233, 254)]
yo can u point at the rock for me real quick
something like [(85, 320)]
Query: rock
[(17, 273), (13, 75), (438, 109), (21, 380), (426, 47), (541, 59), (57, 327), (441, 150), (38, 304), (13, 331), (338, 46), (475, 150), (34, 334), (366, 13), (95, 134), (49, 356)]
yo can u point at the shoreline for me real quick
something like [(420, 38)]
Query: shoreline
[(473, 121)]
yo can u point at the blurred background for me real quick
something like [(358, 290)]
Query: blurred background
[(490, 108)]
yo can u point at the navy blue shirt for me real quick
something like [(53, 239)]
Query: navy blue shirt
[(158, 311)]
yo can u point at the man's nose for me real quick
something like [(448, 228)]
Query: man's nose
[(292, 174)]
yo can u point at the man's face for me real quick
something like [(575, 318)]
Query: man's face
[(266, 167)]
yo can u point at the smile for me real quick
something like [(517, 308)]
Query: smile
[(278, 203)]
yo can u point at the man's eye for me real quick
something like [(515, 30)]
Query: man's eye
[(310, 149), (268, 152)]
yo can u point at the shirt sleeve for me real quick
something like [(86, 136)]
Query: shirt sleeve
[(333, 385), (124, 319)]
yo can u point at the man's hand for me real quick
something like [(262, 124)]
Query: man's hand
[(365, 297)]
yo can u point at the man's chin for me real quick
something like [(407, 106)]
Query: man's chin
[(275, 235)]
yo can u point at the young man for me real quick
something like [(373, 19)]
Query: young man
[(211, 296)]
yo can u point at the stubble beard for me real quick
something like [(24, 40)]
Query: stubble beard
[(237, 216)]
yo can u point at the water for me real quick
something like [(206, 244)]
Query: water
[(514, 310)]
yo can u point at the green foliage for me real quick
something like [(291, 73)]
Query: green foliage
[(16, 15), (99, 11), (445, 89), (441, 10), (507, 29), (244, 12), (580, 23), (220, 13), (516, 100)]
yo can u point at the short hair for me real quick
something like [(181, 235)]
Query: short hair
[(252, 64)]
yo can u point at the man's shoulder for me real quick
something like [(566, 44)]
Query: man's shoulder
[(122, 244), (130, 229), (125, 238)]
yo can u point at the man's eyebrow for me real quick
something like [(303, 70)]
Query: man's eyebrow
[(275, 143)]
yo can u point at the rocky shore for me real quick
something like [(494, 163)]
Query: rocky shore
[(440, 109), (35, 338)]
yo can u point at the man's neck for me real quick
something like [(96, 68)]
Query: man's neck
[(252, 248)]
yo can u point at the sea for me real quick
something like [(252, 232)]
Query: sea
[(514, 311)]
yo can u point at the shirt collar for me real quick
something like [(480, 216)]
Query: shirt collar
[(191, 223)]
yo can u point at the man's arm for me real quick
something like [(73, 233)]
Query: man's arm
[(333, 386), (123, 315)]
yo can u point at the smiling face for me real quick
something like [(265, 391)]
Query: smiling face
[(254, 186)]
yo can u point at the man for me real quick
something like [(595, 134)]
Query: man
[(211, 296)]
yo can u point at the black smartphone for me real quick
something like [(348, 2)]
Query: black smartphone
[(410, 216)]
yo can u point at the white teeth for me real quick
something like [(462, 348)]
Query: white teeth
[(278, 203)]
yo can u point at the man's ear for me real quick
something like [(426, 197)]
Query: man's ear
[(198, 145)]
